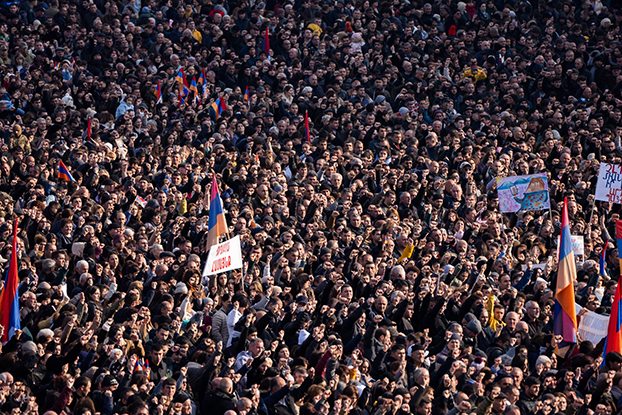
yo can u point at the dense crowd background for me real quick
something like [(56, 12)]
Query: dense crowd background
[(379, 275)]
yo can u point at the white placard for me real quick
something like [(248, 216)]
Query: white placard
[(592, 327), (578, 248), (224, 257), (609, 185)]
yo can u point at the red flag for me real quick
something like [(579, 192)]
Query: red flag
[(88, 129), (9, 299), (266, 43), (308, 135)]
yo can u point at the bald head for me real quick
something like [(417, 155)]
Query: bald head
[(225, 385)]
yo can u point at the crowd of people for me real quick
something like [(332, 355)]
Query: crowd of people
[(356, 147)]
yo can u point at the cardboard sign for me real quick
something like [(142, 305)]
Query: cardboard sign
[(577, 247), (224, 257), (523, 193), (609, 184)]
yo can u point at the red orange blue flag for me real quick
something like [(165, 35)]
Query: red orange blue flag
[(158, 93), (63, 173), (9, 300), (194, 90), (613, 341), (565, 317), (142, 202), (183, 83), (216, 225)]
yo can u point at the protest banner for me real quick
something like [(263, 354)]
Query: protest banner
[(224, 257), (523, 193), (609, 184)]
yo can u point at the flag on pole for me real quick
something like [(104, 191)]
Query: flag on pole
[(266, 43), (142, 202), (158, 93), (194, 89), (89, 128), (307, 134), (218, 107), (201, 84), (145, 367), (205, 88), (63, 173), (183, 83), (201, 80), (9, 300), (216, 225), (613, 341), (565, 317), (247, 97)]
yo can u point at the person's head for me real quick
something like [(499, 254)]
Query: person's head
[(533, 309), (256, 347), (140, 408), (157, 354), (422, 377), (244, 406), (381, 304), (82, 386), (424, 407), (225, 385), (169, 387), (613, 360), (499, 403), (532, 386)]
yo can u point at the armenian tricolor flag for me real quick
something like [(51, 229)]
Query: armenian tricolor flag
[(158, 93), (63, 173), (205, 88), (183, 83), (194, 89), (613, 341), (218, 106), (9, 300), (266, 43), (89, 128), (216, 225), (307, 134), (145, 367), (142, 202), (565, 317), (247, 97)]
